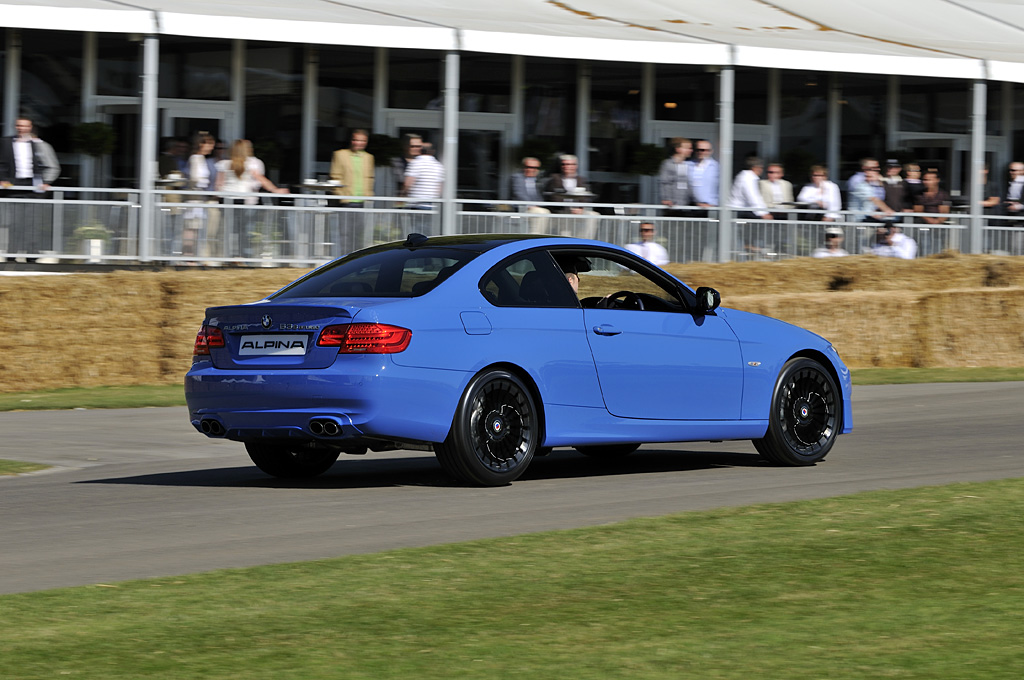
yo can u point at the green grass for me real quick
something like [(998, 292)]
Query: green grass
[(14, 467), (919, 584), (173, 395), (128, 396)]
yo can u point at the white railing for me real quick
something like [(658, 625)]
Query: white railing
[(92, 225)]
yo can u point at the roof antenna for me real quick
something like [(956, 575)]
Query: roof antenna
[(414, 240)]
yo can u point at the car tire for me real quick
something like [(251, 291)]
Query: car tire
[(495, 432), (289, 461), (607, 451), (805, 416)]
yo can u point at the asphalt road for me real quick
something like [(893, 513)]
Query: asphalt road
[(138, 493)]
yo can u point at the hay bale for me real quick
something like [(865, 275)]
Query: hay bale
[(972, 328), (859, 273), (138, 328), (867, 329)]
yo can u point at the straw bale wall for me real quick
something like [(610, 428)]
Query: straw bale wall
[(139, 327)]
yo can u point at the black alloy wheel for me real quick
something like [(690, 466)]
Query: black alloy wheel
[(495, 433), (805, 415)]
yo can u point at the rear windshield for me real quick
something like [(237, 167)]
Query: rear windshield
[(394, 272)]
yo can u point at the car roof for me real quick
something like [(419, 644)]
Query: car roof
[(478, 243)]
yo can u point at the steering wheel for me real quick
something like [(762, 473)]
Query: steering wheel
[(629, 300)]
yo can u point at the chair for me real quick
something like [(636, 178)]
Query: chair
[(532, 288)]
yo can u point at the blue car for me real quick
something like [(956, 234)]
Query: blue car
[(493, 349)]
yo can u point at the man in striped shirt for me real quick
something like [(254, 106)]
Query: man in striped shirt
[(424, 179)]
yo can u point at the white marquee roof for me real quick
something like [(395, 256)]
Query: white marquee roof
[(945, 38)]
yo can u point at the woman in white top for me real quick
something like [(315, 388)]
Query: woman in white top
[(200, 223), (821, 194), (242, 173)]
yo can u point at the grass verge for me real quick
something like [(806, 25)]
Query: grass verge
[(924, 583), (173, 395), (15, 467)]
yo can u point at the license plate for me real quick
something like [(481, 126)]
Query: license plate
[(273, 345)]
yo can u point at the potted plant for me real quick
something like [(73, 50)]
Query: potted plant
[(91, 238)]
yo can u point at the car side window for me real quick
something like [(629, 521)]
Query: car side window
[(528, 280), (617, 283)]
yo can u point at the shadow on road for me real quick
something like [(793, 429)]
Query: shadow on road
[(423, 470)]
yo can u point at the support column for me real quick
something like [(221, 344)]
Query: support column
[(978, 125), (834, 127), (147, 142), (726, 105), (451, 142), (771, 153), (892, 114), (307, 154), (238, 76), (91, 167), (12, 80), (582, 150)]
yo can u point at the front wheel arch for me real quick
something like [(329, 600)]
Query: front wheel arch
[(805, 415)]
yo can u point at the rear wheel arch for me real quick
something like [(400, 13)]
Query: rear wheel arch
[(525, 377)]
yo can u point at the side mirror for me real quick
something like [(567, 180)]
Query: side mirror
[(708, 300)]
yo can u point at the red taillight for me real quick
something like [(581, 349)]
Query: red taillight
[(365, 338), (208, 337)]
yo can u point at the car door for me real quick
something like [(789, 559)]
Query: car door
[(660, 362)]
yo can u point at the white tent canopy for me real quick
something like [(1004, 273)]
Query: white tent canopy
[(974, 39)]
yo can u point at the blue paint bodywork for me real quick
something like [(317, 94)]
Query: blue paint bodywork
[(599, 376)]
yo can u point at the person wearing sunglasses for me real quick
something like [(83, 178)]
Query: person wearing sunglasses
[(528, 187), (704, 172)]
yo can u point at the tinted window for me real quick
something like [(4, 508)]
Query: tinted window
[(394, 272), (530, 280)]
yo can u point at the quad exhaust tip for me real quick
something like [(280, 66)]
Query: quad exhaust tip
[(324, 427), (212, 427)]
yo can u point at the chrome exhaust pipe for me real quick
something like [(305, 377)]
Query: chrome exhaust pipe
[(211, 427), (330, 428), (316, 427)]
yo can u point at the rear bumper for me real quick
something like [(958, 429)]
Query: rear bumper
[(364, 396)]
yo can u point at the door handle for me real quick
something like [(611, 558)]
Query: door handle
[(605, 329)]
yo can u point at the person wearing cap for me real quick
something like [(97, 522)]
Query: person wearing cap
[(833, 244)]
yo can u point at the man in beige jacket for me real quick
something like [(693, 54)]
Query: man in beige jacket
[(353, 170)]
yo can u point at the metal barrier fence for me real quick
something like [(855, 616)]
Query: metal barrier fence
[(105, 225)]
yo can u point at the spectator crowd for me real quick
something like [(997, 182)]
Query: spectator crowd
[(884, 197)]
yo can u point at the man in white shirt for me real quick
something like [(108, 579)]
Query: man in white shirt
[(647, 248), (746, 193), (28, 166)]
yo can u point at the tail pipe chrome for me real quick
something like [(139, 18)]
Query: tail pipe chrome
[(324, 427), (212, 427)]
